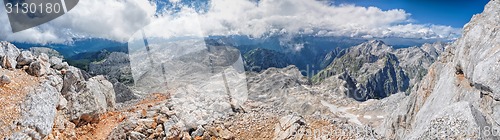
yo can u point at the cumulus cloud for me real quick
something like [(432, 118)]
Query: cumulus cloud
[(111, 19), (119, 19)]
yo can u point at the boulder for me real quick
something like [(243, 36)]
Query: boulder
[(87, 99), (55, 81), (5, 80), (287, 127), (57, 63), (8, 55), (24, 59), (72, 76), (40, 67), (39, 109)]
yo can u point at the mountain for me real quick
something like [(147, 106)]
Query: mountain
[(458, 98), (261, 59), (378, 70), (77, 46), (452, 92), (307, 52)]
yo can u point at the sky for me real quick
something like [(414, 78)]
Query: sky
[(120, 19), (455, 13)]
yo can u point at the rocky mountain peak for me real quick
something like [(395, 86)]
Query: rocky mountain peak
[(434, 49), (374, 47)]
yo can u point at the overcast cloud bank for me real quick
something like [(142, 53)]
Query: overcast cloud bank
[(120, 19)]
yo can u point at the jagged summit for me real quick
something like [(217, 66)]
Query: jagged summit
[(374, 47)]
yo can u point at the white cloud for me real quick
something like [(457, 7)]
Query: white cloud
[(267, 17), (111, 19), (119, 19)]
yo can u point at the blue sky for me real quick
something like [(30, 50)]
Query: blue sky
[(455, 13)]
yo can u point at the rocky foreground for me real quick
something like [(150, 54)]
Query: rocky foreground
[(451, 93)]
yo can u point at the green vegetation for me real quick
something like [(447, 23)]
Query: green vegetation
[(83, 60)]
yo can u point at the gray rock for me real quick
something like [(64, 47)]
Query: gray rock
[(19, 136), (63, 103), (39, 109), (24, 59), (477, 51), (287, 127), (123, 93), (72, 77), (459, 120), (169, 125), (57, 63), (40, 67), (416, 60), (87, 99), (25, 133), (198, 132), (8, 55), (132, 135), (5, 80), (56, 81)]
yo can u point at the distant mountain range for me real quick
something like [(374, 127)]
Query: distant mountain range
[(309, 53)]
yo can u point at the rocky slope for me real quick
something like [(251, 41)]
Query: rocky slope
[(458, 99), (261, 59), (60, 90), (378, 70), (66, 104), (116, 68)]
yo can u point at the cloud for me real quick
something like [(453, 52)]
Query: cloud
[(119, 19), (111, 19), (310, 16)]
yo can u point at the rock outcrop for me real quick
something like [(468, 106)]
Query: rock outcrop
[(24, 59), (460, 89), (83, 100), (87, 99), (8, 55), (40, 66)]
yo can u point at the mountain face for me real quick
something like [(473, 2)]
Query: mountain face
[(308, 53), (261, 59), (378, 70), (458, 98)]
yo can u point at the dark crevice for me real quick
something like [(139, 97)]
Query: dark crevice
[(483, 87), (459, 70)]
